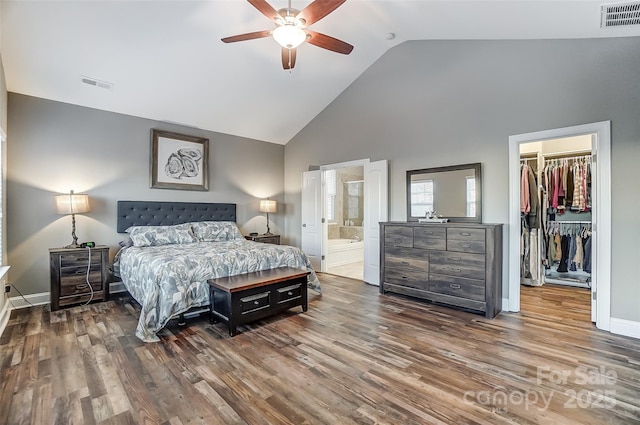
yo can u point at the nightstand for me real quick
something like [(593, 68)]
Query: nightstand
[(69, 275), (274, 239)]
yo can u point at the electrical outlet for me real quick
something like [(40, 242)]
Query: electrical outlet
[(7, 288)]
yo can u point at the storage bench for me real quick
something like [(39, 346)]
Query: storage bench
[(243, 298)]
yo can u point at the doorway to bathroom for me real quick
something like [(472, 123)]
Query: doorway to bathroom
[(345, 215)]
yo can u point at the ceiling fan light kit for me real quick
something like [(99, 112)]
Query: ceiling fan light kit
[(291, 29), (289, 36)]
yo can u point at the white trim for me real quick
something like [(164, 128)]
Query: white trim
[(4, 316), (34, 299), (602, 255), (505, 304), (117, 287), (354, 163), (625, 327)]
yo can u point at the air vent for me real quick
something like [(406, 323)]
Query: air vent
[(97, 83), (620, 14)]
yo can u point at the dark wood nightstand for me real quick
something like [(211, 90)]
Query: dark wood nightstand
[(69, 275), (274, 239)]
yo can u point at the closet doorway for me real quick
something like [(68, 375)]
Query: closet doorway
[(588, 146)]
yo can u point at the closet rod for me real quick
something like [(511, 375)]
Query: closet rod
[(570, 222), (568, 155)]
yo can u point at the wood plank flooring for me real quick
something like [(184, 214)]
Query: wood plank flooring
[(355, 357)]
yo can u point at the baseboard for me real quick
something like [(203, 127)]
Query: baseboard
[(4, 316), (505, 304), (34, 299), (116, 287), (625, 327)]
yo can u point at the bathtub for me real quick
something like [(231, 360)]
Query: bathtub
[(344, 251)]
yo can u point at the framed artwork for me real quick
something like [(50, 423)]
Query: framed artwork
[(179, 161)]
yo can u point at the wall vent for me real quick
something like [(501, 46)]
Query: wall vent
[(97, 83), (620, 14)]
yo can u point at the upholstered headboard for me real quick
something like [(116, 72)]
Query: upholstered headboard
[(147, 213)]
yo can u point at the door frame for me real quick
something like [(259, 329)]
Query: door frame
[(602, 226)]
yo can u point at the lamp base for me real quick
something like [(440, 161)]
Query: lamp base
[(72, 246)]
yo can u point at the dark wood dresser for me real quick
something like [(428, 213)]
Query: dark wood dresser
[(272, 239), (69, 275), (459, 264)]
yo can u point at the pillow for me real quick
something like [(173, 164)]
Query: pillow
[(161, 235), (216, 231)]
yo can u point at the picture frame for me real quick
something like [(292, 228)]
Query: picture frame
[(179, 161)]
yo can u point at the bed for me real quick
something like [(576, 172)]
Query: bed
[(175, 247)]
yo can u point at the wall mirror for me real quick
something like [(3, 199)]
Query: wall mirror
[(453, 192)]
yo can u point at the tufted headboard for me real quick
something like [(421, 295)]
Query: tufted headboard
[(148, 213)]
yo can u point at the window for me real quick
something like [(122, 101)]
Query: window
[(330, 179), (471, 196), (421, 197)]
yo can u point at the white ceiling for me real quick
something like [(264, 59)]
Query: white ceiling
[(166, 61)]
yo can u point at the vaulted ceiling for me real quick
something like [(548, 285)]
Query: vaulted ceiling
[(166, 62)]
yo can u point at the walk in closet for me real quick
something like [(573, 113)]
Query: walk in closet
[(555, 211)]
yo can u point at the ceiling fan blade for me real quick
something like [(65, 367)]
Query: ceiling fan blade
[(265, 8), (329, 43), (247, 36), (288, 58), (318, 10)]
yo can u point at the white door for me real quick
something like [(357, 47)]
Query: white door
[(376, 210), (311, 210), (594, 226)]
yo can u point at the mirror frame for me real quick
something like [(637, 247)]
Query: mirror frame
[(477, 167)]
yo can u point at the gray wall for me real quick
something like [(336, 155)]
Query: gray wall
[(437, 103), (55, 147)]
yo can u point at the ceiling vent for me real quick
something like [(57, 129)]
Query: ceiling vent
[(620, 14), (97, 83)]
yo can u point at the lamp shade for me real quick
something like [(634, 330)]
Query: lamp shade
[(268, 206), (72, 203)]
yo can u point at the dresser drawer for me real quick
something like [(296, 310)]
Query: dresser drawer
[(77, 284), (463, 239), (406, 257), (458, 264), (405, 277), (457, 287), (255, 302), (398, 236), (430, 237), (289, 293), (81, 258)]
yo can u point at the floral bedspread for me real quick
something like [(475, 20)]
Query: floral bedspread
[(170, 279)]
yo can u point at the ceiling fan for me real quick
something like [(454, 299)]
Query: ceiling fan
[(292, 28)]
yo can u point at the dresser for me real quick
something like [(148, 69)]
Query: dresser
[(272, 239), (69, 275), (458, 264)]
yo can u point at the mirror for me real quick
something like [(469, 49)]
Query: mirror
[(453, 192)]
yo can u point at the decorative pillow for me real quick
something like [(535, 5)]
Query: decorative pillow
[(216, 231), (161, 235)]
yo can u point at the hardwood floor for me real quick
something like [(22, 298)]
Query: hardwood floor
[(355, 357)]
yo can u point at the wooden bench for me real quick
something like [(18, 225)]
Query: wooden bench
[(243, 298)]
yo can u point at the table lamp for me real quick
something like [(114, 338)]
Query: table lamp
[(268, 206), (73, 204)]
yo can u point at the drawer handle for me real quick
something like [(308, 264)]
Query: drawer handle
[(404, 252), (405, 262), (466, 245), (454, 286), (82, 286), (289, 293), (465, 234), (405, 277), (456, 270), (256, 302)]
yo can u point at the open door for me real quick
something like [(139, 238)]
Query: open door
[(594, 228), (311, 211), (376, 200)]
